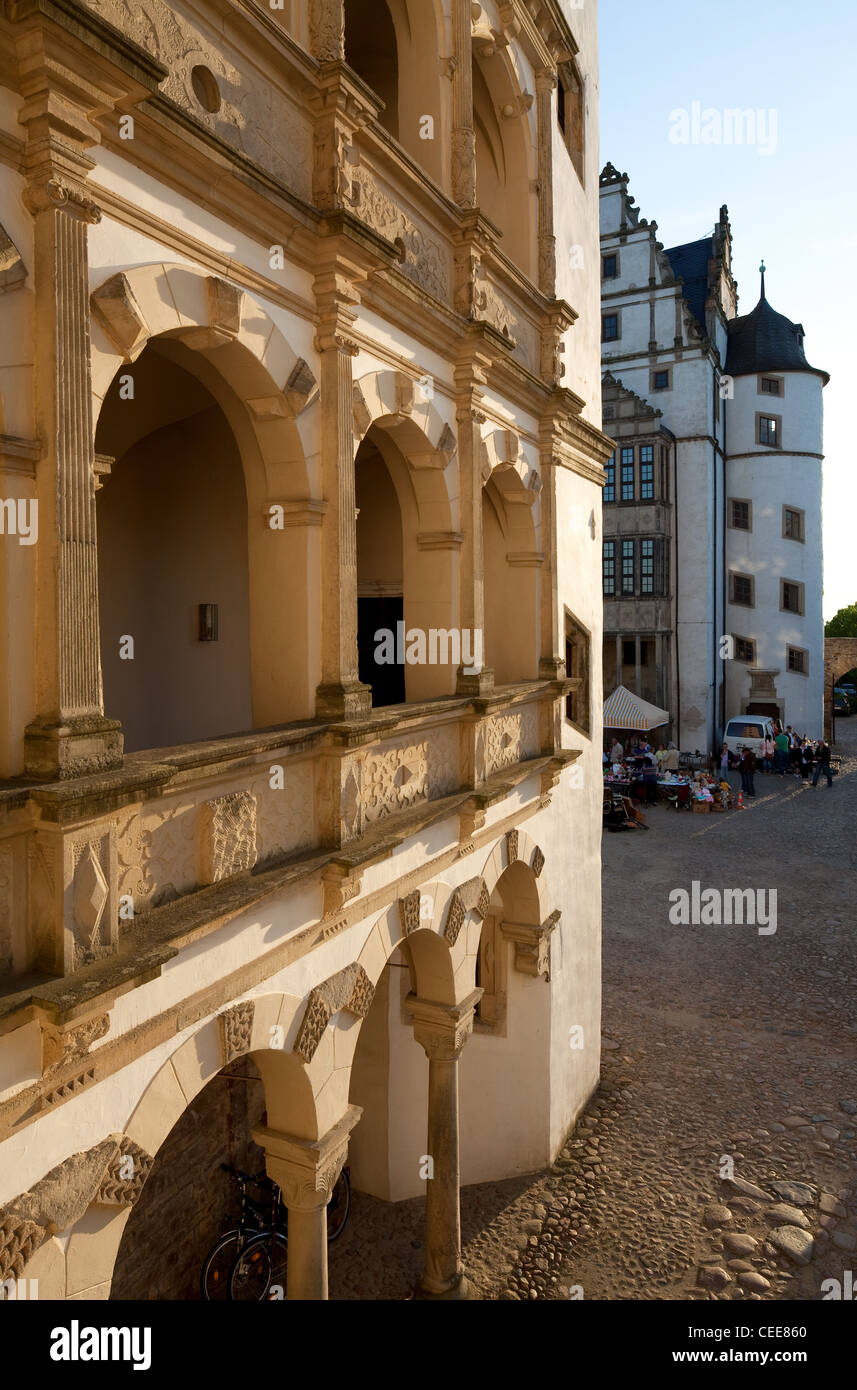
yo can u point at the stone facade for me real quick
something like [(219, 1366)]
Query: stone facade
[(293, 363)]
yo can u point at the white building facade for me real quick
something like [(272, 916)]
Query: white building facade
[(712, 509)]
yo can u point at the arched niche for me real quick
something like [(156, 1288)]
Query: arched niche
[(505, 158)]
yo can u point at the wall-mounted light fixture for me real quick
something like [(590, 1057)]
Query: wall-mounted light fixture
[(208, 622)]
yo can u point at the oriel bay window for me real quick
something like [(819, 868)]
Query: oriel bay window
[(644, 567)]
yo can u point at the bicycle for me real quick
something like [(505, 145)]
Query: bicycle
[(246, 1262)]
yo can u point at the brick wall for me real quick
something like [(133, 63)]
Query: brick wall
[(187, 1202)]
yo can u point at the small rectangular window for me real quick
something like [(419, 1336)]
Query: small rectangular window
[(609, 567), (739, 514), (745, 649), (769, 431), (741, 589), (797, 660), (791, 596), (770, 386), (577, 648), (793, 524), (610, 485), (627, 567), (609, 328), (609, 267), (661, 381), (629, 652)]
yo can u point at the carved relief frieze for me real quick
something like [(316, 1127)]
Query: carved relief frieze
[(228, 836), (423, 259), (239, 104), (126, 1174), (469, 897), (511, 846), (236, 1028), (93, 930), (349, 989), (156, 852)]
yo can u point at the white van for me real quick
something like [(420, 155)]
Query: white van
[(748, 731)]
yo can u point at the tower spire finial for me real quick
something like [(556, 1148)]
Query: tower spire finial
[(762, 273)]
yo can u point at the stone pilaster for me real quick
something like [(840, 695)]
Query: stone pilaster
[(463, 142), (442, 1030), (64, 84), (545, 84), (470, 378), (306, 1172)]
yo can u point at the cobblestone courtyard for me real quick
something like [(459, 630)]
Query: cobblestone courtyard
[(720, 1044)]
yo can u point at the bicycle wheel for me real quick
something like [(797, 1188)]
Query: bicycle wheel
[(338, 1207), (214, 1282), (259, 1269)]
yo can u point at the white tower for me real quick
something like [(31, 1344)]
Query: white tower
[(773, 543)]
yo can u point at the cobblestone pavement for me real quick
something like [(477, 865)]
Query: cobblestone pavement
[(726, 1052)]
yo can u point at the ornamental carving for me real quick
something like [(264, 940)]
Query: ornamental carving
[(112, 1172), (469, 897), (349, 989), (68, 1089), (228, 836), (115, 306), (538, 862), (394, 779), (409, 911), (157, 854), (126, 1173), (532, 945), (90, 899), (256, 117), (70, 1045), (512, 846), (13, 272), (421, 258), (236, 1030)]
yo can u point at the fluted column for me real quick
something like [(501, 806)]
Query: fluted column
[(463, 134), (306, 1172), (442, 1030), (545, 83)]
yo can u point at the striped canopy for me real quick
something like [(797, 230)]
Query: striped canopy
[(624, 710)]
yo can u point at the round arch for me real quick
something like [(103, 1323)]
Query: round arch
[(223, 337)]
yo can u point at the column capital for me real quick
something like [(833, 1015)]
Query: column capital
[(307, 1170), (442, 1029)]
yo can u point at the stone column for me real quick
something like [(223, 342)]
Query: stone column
[(442, 1031), (546, 81), (637, 667), (306, 1172), (463, 142), (619, 658)]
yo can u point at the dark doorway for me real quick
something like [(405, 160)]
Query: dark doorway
[(770, 711), (387, 680)]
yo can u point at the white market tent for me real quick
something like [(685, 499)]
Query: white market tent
[(624, 710)]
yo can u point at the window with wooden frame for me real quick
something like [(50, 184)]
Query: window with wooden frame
[(797, 660), (610, 329), (741, 589), (771, 386), (745, 649), (628, 567), (793, 524), (627, 457), (578, 644), (740, 514), (610, 485), (769, 430), (791, 596)]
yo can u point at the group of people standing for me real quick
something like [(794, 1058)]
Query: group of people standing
[(783, 754)]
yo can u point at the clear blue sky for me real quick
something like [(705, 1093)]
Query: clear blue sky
[(795, 207)]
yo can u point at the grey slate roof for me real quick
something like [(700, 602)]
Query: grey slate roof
[(765, 341), (690, 261)]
